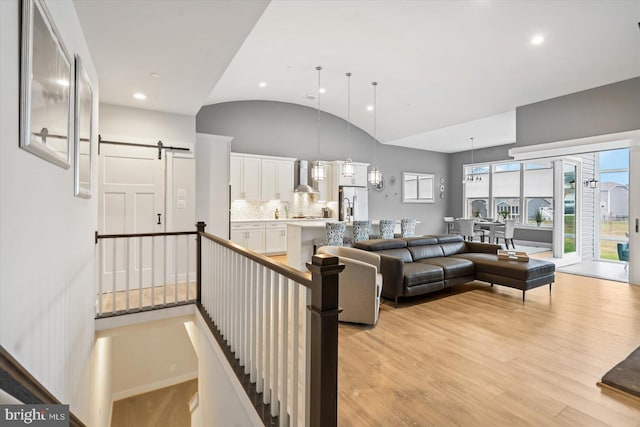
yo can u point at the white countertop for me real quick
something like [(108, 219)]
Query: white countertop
[(309, 224), (284, 220)]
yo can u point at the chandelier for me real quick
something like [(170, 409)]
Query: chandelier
[(475, 172)]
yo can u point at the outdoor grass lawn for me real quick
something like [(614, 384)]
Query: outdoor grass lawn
[(569, 233), (614, 230)]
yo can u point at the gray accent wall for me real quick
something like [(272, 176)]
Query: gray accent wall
[(290, 130), (599, 111)]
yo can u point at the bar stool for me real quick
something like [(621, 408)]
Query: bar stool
[(361, 230), (407, 227), (334, 236), (386, 229)]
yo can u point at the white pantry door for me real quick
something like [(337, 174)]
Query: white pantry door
[(131, 200)]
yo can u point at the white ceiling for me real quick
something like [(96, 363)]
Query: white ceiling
[(187, 43), (447, 70)]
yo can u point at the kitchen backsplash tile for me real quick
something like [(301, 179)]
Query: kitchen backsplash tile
[(302, 205)]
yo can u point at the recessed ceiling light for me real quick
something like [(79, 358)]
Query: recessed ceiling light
[(322, 90), (369, 107), (63, 82), (262, 84), (155, 75), (537, 39), (139, 95)]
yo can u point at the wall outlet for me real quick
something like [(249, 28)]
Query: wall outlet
[(172, 367)]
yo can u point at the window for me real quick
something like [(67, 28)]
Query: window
[(417, 187), (519, 190), (478, 208), (538, 194)]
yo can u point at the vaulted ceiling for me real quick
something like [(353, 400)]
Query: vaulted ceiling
[(447, 70)]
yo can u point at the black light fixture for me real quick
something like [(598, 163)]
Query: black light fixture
[(591, 183)]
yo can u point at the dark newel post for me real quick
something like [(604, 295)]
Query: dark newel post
[(324, 340), (200, 225)]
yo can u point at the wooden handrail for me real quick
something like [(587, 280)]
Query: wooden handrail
[(121, 236), (19, 383), (288, 272)]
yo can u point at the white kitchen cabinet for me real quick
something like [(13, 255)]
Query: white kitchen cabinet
[(250, 235), (275, 238), (245, 174), (358, 179), (277, 179)]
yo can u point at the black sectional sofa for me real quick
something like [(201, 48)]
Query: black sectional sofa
[(419, 265)]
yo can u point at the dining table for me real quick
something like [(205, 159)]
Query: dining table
[(485, 224)]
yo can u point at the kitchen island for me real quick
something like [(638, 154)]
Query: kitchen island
[(300, 237)]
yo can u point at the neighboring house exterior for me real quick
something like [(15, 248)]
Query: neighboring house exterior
[(614, 200)]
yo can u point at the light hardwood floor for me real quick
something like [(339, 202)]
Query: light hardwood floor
[(145, 299), (480, 357)]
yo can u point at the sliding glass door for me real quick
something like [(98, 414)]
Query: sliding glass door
[(570, 174), (614, 202)]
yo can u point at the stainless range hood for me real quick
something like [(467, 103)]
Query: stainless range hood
[(303, 175)]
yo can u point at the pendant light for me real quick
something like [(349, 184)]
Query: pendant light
[(375, 176), (474, 176), (348, 171), (318, 171)]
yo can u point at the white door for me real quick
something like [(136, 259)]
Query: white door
[(131, 200)]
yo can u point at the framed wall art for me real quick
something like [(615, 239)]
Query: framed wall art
[(83, 130), (46, 85)]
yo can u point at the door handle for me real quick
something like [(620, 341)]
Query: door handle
[(159, 219)]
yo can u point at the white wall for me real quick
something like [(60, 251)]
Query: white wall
[(101, 368), (212, 182), (221, 396), (142, 357), (46, 245), (141, 123)]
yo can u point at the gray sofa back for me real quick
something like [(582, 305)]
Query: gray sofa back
[(413, 249)]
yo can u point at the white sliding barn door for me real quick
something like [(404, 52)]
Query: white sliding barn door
[(131, 192)]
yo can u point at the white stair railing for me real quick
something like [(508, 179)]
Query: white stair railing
[(138, 272), (264, 312)]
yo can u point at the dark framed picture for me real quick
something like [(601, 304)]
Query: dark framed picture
[(83, 130), (46, 85)]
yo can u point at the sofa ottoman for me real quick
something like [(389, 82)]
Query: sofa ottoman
[(514, 274)]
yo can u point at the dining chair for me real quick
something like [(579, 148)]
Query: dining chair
[(468, 230), (506, 232), (452, 225)]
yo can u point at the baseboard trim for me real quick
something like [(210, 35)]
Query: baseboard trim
[(154, 386)]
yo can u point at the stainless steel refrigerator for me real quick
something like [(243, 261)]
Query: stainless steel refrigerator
[(353, 203)]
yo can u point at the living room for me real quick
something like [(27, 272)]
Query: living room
[(478, 350)]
